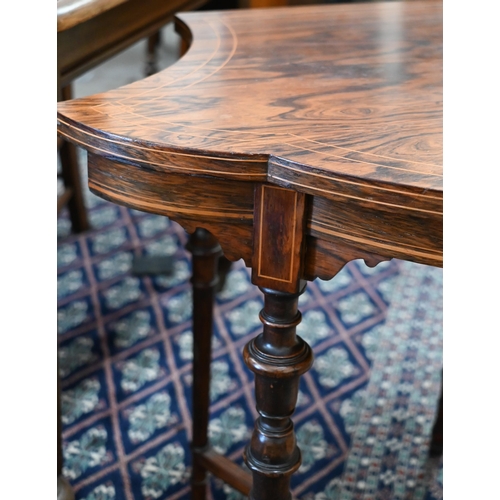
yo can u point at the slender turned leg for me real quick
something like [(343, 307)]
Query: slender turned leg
[(71, 178), (206, 251), (151, 54), (436, 448), (183, 47), (223, 269), (277, 357)]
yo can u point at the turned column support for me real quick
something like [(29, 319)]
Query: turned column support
[(278, 357), (205, 252)]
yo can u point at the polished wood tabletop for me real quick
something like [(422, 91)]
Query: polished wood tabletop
[(298, 139)]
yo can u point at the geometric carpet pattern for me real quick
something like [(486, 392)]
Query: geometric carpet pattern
[(365, 409)]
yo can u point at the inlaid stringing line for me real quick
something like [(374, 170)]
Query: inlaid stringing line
[(260, 234), (264, 136), (336, 179), (250, 160), (233, 50), (315, 225), (177, 124), (258, 176), (260, 229), (361, 152), (174, 124), (114, 141), (293, 234), (354, 197), (276, 136), (330, 155), (174, 208), (326, 155), (167, 84), (235, 43), (364, 238)]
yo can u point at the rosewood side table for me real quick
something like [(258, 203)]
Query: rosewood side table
[(297, 139)]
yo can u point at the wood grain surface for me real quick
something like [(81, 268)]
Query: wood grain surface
[(340, 102)]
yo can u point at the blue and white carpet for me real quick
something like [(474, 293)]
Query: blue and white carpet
[(365, 409)]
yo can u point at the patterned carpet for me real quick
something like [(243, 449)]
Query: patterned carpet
[(365, 409)]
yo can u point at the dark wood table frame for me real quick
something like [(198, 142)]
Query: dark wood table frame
[(296, 139)]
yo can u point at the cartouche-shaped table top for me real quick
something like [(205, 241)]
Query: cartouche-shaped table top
[(341, 101)]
